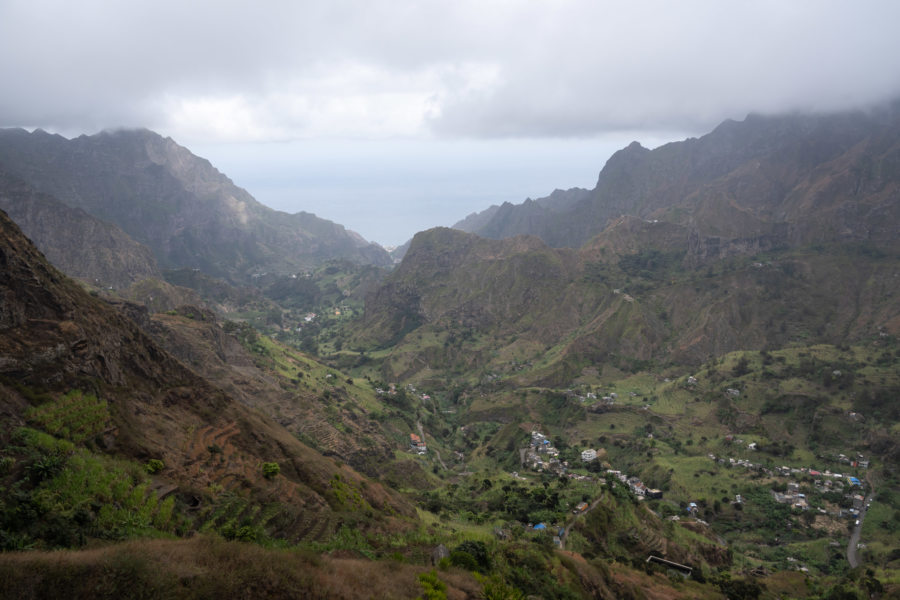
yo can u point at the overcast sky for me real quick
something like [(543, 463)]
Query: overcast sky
[(393, 116)]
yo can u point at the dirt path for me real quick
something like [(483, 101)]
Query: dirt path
[(436, 453), (570, 522)]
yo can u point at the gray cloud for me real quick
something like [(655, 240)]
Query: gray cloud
[(208, 70), (684, 65)]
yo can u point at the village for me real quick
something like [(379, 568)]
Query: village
[(542, 447), (824, 481), (840, 494)]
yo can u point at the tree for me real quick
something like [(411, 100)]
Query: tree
[(477, 551), (742, 367), (740, 589)]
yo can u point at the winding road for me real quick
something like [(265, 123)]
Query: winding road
[(853, 545), (568, 525)]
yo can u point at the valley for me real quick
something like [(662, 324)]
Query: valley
[(680, 384)]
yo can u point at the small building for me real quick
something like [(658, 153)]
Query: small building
[(416, 444), (580, 507), (782, 498), (674, 567), (588, 455), (653, 493)]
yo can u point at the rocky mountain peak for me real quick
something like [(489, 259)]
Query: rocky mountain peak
[(744, 179), (177, 204)]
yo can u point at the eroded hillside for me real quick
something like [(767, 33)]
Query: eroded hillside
[(71, 363)]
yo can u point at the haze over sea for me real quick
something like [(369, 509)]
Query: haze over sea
[(388, 190), (389, 119)]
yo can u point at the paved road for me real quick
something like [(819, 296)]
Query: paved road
[(852, 546)]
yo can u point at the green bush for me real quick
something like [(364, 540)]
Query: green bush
[(494, 588), (472, 555), (463, 560), (433, 587), (270, 470)]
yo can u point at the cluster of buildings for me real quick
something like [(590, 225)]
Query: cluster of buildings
[(798, 500), (740, 462), (541, 455), (582, 397), (858, 502), (793, 496), (307, 319), (636, 486), (826, 478), (825, 482), (608, 399), (860, 462)]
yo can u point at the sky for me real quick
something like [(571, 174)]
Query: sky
[(392, 116)]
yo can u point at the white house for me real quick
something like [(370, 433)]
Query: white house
[(588, 455)]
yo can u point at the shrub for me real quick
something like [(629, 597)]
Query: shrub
[(154, 465), (474, 550), (270, 470), (464, 560), (434, 588), (495, 588)]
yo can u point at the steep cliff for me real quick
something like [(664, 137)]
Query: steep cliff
[(75, 242), (177, 204)]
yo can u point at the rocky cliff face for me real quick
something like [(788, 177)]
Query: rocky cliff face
[(178, 205), (787, 180), (75, 242)]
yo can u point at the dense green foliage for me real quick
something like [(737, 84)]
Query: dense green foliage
[(56, 495)]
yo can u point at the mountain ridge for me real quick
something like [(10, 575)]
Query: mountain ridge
[(672, 181), (80, 245), (177, 204), (800, 210), (55, 338)]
